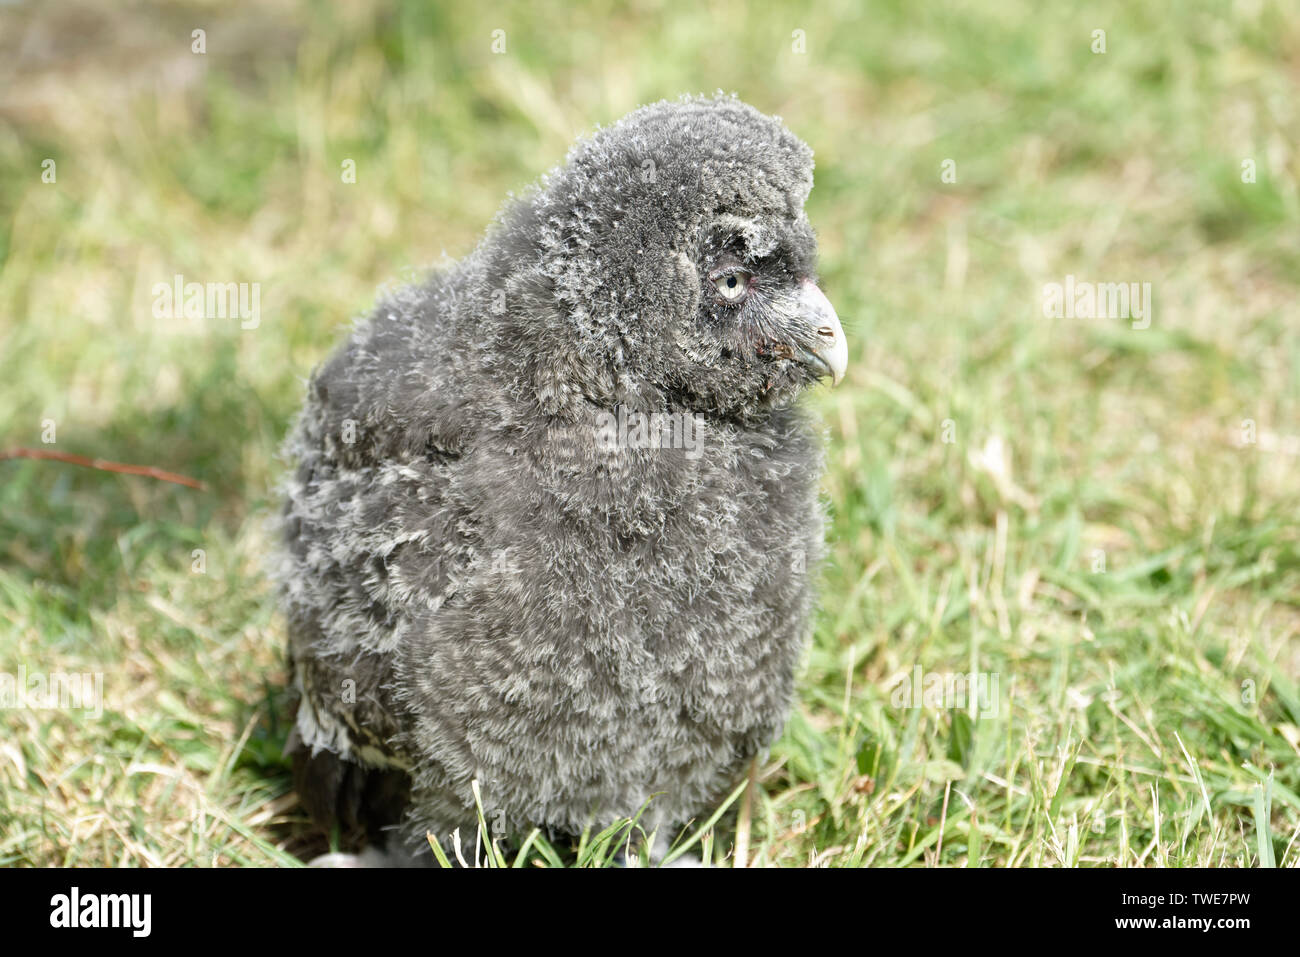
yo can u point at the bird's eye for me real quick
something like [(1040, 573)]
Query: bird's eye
[(732, 286)]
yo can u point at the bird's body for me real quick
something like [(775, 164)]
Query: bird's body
[(555, 512)]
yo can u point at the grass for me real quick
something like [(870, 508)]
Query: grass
[(1102, 517)]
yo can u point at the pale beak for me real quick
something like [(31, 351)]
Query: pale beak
[(828, 352)]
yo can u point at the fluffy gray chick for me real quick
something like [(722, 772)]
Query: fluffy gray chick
[(555, 509)]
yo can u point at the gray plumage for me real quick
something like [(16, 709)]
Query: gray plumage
[(489, 575)]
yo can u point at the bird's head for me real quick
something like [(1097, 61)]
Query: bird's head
[(679, 264)]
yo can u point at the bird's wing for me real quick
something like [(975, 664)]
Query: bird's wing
[(369, 542)]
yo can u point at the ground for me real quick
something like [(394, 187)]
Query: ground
[(1095, 516)]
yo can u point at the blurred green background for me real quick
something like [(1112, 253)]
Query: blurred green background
[(1104, 517)]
